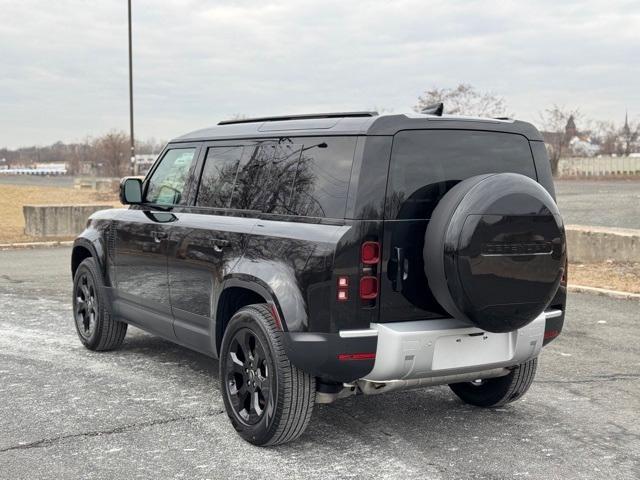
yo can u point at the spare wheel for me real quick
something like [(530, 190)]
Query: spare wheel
[(494, 251)]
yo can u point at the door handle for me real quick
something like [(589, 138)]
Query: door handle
[(158, 235), (398, 254)]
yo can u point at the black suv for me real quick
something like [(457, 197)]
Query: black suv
[(321, 256)]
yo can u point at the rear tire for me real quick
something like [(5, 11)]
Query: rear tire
[(268, 400), (91, 311), (495, 392)]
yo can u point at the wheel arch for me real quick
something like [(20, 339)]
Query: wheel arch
[(84, 248), (238, 292)]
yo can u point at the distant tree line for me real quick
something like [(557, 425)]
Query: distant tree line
[(557, 124), (107, 155)]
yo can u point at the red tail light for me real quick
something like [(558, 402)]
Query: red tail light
[(356, 356), (368, 288), (370, 253), (550, 334)]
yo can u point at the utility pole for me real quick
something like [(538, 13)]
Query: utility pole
[(133, 148)]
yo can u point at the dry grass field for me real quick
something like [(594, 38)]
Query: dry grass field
[(13, 197), (622, 276)]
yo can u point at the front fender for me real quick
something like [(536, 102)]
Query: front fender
[(95, 239)]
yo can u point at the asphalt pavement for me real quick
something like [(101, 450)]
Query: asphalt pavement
[(153, 409), (604, 203)]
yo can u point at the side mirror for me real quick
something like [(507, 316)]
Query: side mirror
[(131, 191)]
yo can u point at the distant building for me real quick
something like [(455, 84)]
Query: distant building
[(578, 144), (143, 162), (570, 130)]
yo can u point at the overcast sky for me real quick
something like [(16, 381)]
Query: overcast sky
[(63, 63)]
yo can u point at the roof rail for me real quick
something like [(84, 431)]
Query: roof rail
[(305, 116)]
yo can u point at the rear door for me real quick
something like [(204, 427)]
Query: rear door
[(209, 238), (425, 165)]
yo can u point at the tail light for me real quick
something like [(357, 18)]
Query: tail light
[(369, 258), (368, 288), (551, 334), (370, 253)]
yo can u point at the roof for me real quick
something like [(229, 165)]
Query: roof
[(330, 124)]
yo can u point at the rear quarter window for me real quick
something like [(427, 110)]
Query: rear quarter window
[(306, 177), (426, 164)]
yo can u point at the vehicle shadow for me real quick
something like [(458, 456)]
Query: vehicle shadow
[(431, 417), (166, 352)]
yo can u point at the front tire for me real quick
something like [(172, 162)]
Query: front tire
[(94, 323), (268, 400), (495, 392)]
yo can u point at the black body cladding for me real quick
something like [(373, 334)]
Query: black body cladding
[(276, 211)]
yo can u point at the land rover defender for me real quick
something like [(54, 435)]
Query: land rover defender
[(321, 256)]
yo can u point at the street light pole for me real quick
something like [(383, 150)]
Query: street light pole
[(133, 149)]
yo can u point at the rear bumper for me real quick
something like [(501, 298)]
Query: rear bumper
[(435, 348), (412, 350), (331, 356)]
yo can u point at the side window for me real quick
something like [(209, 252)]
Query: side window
[(167, 185), (219, 176), (297, 176), (253, 184)]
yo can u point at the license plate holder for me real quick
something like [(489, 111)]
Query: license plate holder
[(475, 349)]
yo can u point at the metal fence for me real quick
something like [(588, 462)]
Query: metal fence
[(599, 166)]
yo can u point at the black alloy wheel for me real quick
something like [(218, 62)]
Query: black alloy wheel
[(85, 306), (248, 377)]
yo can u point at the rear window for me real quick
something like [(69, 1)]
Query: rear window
[(426, 164)]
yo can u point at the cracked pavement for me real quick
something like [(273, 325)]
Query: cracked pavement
[(153, 409)]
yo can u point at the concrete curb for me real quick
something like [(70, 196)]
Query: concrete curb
[(54, 243), (604, 292), (587, 244)]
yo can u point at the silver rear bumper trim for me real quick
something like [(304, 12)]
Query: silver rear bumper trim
[(371, 332), (552, 314), (368, 332)]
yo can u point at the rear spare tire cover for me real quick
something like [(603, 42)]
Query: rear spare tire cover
[(494, 251)]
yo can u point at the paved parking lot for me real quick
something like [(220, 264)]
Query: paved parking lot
[(153, 409), (605, 203)]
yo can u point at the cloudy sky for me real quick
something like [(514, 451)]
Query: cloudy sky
[(63, 64)]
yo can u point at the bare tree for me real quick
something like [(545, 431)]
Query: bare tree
[(113, 152), (149, 146), (554, 123), (606, 135), (464, 100)]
